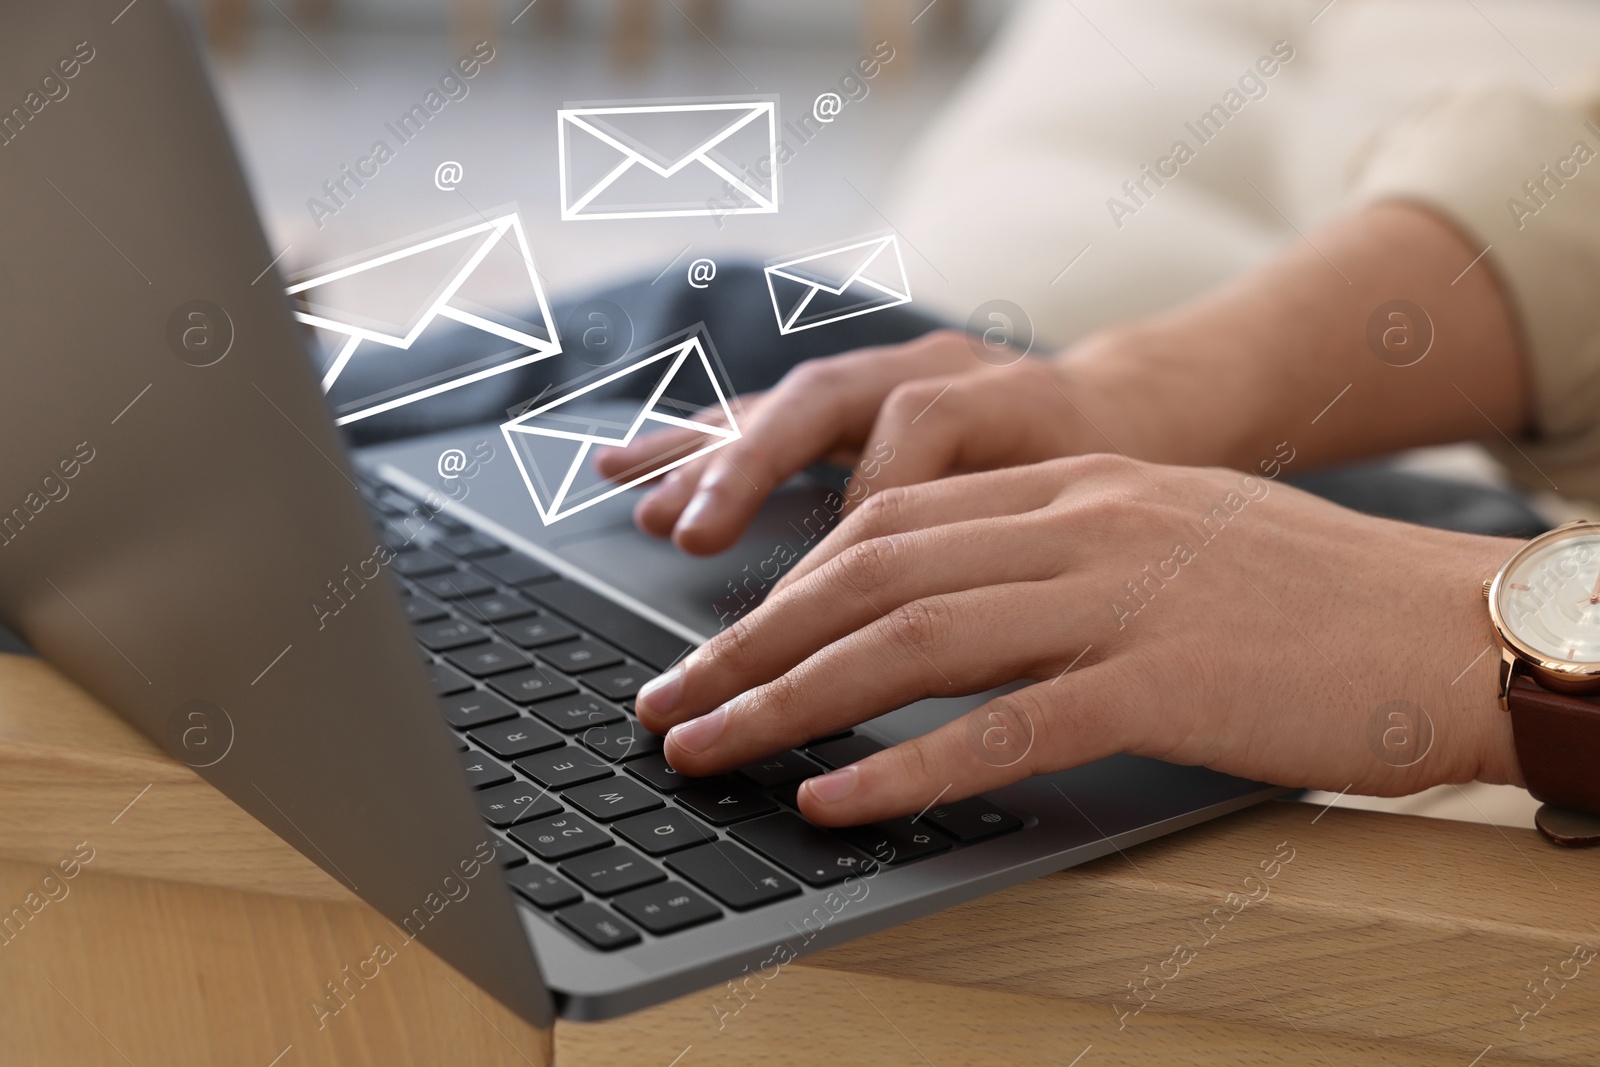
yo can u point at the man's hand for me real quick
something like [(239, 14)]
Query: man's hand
[(1197, 616)]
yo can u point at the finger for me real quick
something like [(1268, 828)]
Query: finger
[(944, 502), (657, 512), (938, 646), (817, 408), (1087, 716), (858, 587)]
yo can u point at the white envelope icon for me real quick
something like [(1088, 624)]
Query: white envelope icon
[(481, 276), (668, 160), (838, 283), (553, 442)]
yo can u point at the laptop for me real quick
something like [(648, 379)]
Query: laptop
[(389, 660)]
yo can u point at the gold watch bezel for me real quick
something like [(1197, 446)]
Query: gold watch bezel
[(1564, 676)]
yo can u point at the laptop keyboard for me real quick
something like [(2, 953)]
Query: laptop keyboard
[(536, 675)]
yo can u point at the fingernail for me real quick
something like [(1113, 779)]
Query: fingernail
[(835, 786), (660, 695), (697, 735), (691, 514)]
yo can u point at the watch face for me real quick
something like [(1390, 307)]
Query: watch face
[(1548, 597)]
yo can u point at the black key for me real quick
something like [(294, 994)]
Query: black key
[(483, 771), (619, 683), (456, 584), (656, 772), (446, 680), (507, 854), (402, 535), (423, 609), (973, 819), (611, 798), (720, 801), (596, 925), (844, 751), (532, 633), (809, 852), (660, 832), (514, 802), (612, 870), (543, 886), (514, 569), (516, 737), (580, 655), (895, 841), (496, 607), (612, 621), (732, 875), (471, 545), (621, 740), (476, 708), (533, 683), (666, 908), (561, 767), (577, 712), (785, 768), (420, 564), (481, 661), (447, 634), (560, 836)]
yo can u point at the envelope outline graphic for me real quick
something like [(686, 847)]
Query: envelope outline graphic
[(490, 234), (670, 361), (573, 211), (873, 249)]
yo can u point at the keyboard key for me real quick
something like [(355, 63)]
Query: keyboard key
[(720, 801), (483, 771), (423, 609), (657, 773), (514, 802), (611, 870), (577, 712), (613, 622), (496, 607), (560, 836), (447, 634), (973, 819), (611, 798), (471, 545), (786, 768), (809, 852), (619, 683), (844, 751), (421, 563), (507, 854), (732, 875), (517, 737), (481, 661), (514, 569), (666, 908), (455, 585), (621, 740), (563, 767), (447, 680), (475, 708), (596, 925), (532, 683), (895, 841), (663, 831), (533, 633), (580, 655), (544, 887)]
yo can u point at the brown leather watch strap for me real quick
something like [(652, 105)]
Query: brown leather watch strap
[(1558, 745)]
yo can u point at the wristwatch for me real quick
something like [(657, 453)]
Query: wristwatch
[(1545, 607)]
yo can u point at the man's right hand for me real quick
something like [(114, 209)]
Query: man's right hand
[(930, 404)]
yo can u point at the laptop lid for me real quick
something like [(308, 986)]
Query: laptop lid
[(174, 499)]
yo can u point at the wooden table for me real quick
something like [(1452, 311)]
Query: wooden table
[(194, 936)]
